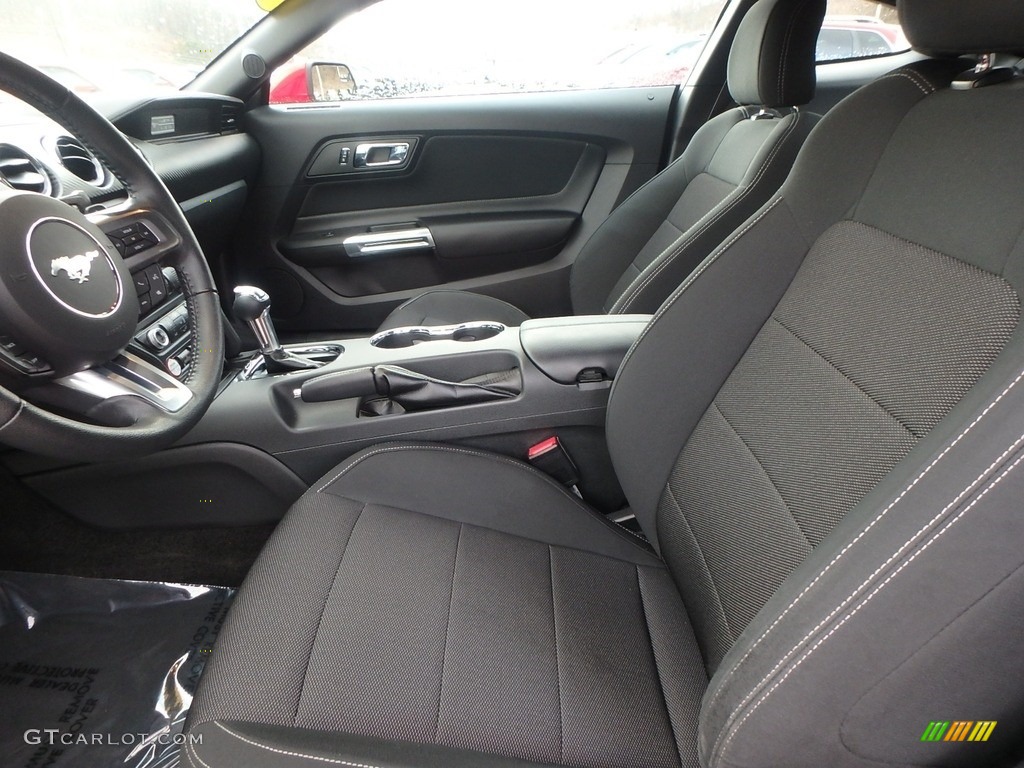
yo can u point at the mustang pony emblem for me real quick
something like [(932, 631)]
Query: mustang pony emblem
[(76, 267)]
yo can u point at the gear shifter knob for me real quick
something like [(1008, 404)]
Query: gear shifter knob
[(252, 305), (250, 302)]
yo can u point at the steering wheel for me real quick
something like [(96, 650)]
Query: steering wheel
[(68, 306)]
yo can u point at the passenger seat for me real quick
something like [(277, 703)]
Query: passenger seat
[(731, 167)]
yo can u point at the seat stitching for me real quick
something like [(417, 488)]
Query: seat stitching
[(290, 753), (191, 749), (657, 669), (447, 634), (573, 275), (859, 536), (878, 570), (876, 164), (320, 621), (671, 300), (925, 87), (728, 674), (623, 304), (558, 673), (688, 179), (618, 530), (764, 470), (949, 524), (846, 376), (703, 559)]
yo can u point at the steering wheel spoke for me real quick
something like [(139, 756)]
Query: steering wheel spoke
[(128, 375), (141, 236)]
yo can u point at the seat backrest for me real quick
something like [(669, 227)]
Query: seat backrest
[(735, 162), (819, 429)]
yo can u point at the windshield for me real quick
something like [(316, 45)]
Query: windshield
[(121, 46)]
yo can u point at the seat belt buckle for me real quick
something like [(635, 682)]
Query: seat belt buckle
[(552, 459)]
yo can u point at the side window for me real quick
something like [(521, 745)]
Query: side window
[(405, 48), (856, 29)]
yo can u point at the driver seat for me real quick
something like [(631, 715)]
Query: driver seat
[(821, 433)]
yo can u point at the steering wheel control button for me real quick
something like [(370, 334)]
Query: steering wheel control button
[(131, 239), (145, 304), (158, 338), (141, 282), (174, 368), (157, 287), (125, 231), (178, 322)]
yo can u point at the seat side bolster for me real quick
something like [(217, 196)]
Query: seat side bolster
[(694, 357), (770, 163), (615, 244), (853, 651)]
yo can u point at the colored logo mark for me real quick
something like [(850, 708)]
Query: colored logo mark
[(958, 730)]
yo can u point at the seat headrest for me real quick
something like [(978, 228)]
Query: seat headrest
[(957, 26), (771, 63)]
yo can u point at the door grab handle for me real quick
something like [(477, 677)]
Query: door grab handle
[(380, 155), (380, 243)]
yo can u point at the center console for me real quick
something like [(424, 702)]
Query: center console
[(449, 383), (285, 415)]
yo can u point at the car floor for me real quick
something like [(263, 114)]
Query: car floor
[(101, 672), (118, 653), (37, 537)]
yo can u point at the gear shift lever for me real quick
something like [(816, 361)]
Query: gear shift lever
[(252, 305)]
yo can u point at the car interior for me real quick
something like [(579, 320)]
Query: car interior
[(631, 425)]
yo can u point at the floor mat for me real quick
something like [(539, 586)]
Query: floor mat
[(36, 536), (98, 672)]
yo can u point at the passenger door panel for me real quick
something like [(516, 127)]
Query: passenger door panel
[(507, 187)]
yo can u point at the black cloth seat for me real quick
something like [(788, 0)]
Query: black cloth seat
[(821, 433), (735, 162), (524, 625)]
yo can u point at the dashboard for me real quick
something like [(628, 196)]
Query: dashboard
[(194, 142)]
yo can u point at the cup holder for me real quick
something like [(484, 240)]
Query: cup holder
[(396, 338)]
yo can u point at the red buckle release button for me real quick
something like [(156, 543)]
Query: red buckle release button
[(544, 446)]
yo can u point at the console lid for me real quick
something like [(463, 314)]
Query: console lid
[(565, 347)]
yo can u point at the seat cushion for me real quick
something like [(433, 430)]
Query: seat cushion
[(498, 615), (451, 307)]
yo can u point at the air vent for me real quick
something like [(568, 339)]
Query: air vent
[(21, 171), (77, 159), (229, 118)]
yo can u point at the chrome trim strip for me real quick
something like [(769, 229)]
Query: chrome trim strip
[(376, 243), (130, 376)]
